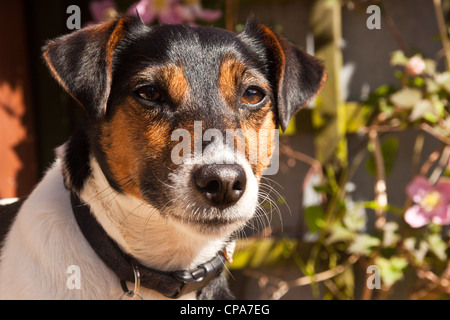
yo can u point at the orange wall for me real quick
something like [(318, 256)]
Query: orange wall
[(18, 161)]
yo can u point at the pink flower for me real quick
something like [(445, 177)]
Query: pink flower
[(431, 203), (193, 10), (415, 66), (102, 10), (165, 11)]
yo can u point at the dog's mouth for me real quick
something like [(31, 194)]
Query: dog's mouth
[(205, 211), (201, 213), (209, 222), (211, 225)]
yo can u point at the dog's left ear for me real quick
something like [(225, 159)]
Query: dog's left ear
[(82, 63), (296, 77)]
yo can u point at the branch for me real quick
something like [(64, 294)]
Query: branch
[(380, 184), (432, 158), (436, 282), (314, 163), (284, 286), (429, 129), (445, 156), (325, 275), (442, 29)]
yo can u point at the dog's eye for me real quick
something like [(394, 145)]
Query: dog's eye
[(252, 96), (149, 93)]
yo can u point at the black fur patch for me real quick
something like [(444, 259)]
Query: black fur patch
[(77, 158), (217, 289)]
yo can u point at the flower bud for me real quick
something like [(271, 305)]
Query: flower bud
[(415, 66)]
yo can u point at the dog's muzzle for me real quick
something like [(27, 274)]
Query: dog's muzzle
[(217, 192)]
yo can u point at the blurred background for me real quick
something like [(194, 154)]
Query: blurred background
[(364, 169)]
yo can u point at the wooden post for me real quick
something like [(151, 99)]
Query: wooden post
[(231, 14), (329, 113)]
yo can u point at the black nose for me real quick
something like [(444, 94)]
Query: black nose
[(221, 184)]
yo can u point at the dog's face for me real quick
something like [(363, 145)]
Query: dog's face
[(141, 84)]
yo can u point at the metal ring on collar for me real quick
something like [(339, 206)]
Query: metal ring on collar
[(137, 286)]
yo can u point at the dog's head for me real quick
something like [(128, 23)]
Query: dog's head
[(155, 95)]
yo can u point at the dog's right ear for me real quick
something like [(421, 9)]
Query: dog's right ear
[(295, 76), (82, 63)]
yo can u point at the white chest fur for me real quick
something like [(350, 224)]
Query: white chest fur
[(45, 255)]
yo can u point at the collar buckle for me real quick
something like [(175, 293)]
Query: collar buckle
[(198, 278)]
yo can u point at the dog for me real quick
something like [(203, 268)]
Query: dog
[(115, 217)]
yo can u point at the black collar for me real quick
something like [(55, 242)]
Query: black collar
[(170, 284)]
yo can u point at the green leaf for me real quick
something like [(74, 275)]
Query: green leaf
[(419, 81), (391, 270), (239, 27), (438, 105), (363, 244), (252, 253), (431, 85), (437, 246), (398, 58), (443, 80), (430, 66), (241, 259), (372, 205), (281, 200), (277, 253), (399, 74), (339, 233), (384, 90), (389, 149), (421, 108), (390, 236), (267, 205), (355, 216), (313, 217), (260, 253), (386, 108), (326, 189), (417, 248), (346, 282), (406, 98)]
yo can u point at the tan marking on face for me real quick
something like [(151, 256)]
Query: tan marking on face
[(231, 74), (130, 140), (176, 84), (169, 77), (254, 140), (115, 38), (274, 43)]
